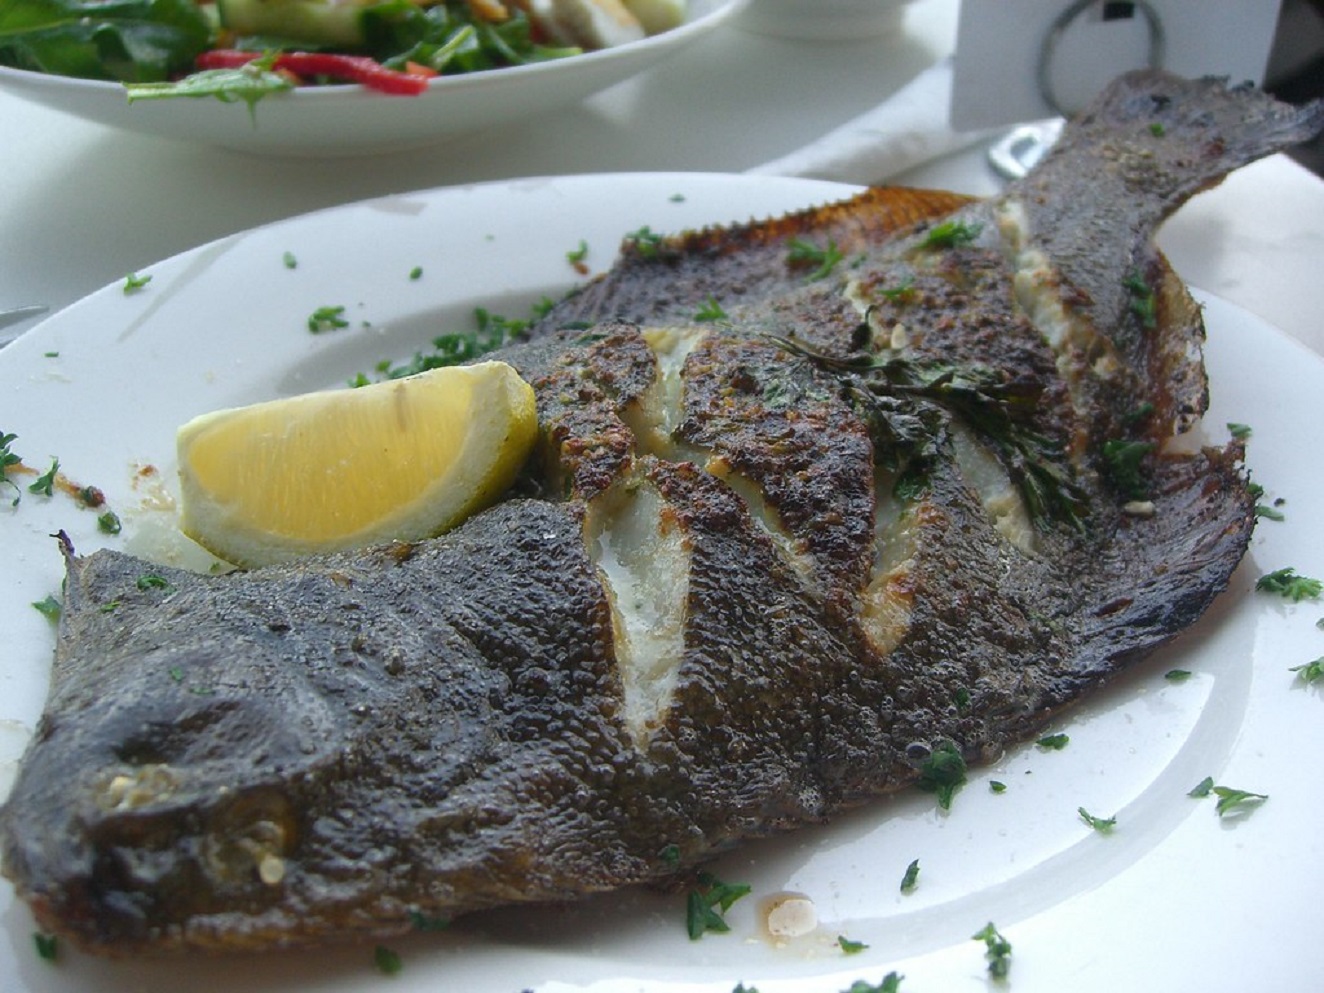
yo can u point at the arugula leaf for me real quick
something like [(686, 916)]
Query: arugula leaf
[(124, 40)]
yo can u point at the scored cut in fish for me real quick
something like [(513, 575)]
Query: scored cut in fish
[(817, 498)]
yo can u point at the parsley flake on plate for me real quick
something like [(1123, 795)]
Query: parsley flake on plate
[(1103, 825), (911, 877), (706, 904), (1310, 671), (1287, 584), (997, 950), (1053, 742)]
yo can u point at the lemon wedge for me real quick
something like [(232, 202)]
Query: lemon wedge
[(404, 459)]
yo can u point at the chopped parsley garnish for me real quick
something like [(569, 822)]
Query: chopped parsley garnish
[(710, 311), (416, 272), (850, 947), (49, 607), (951, 234), (1238, 431), (1287, 584), (290, 261), (577, 256), (1269, 513), (962, 700), (907, 405), (891, 983), (1103, 825), (804, 253), (1310, 671), (1177, 675), (647, 242), (1157, 129), (901, 293), (7, 459), (706, 904), (109, 523), (670, 855), (1124, 460), (1235, 801), (455, 348), (151, 581), (47, 945), (997, 950), (911, 877), (997, 786), (44, 485), (328, 318), (426, 922), (943, 773), (387, 961), (133, 282), (1230, 801), (1143, 303), (1054, 742)]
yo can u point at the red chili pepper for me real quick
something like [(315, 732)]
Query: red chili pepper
[(353, 68)]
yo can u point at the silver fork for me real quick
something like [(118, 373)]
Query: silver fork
[(11, 319)]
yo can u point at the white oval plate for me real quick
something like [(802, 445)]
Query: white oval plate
[(349, 120), (1173, 899)]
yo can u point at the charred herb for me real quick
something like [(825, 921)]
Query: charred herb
[(907, 406)]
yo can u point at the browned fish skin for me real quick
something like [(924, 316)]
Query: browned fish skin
[(333, 748)]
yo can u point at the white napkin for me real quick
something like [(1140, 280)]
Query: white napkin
[(908, 128)]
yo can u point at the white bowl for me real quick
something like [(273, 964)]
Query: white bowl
[(822, 20), (349, 120)]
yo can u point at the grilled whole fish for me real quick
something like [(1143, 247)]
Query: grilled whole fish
[(908, 489)]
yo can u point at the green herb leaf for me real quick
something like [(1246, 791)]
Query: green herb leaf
[(891, 983), (1103, 825), (387, 961), (803, 253), (1123, 460), (1238, 431), (47, 945), (327, 318), (706, 905), (997, 950), (50, 608), (290, 261), (44, 485), (710, 311), (1143, 303), (1177, 675), (850, 947), (646, 242), (951, 234), (133, 282), (416, 272), (997, 786), (9, 458), (1054, 742), (424, 922), (109, 523), (911, 877), (1310, 671), (578, 255), (1236, 801), (1286, 583), (1202, 788), (943, 773), (670, 855)]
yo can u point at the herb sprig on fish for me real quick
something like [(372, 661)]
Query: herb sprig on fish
[(905, 403)]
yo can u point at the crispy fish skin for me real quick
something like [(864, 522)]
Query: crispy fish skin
[(344, 746)]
